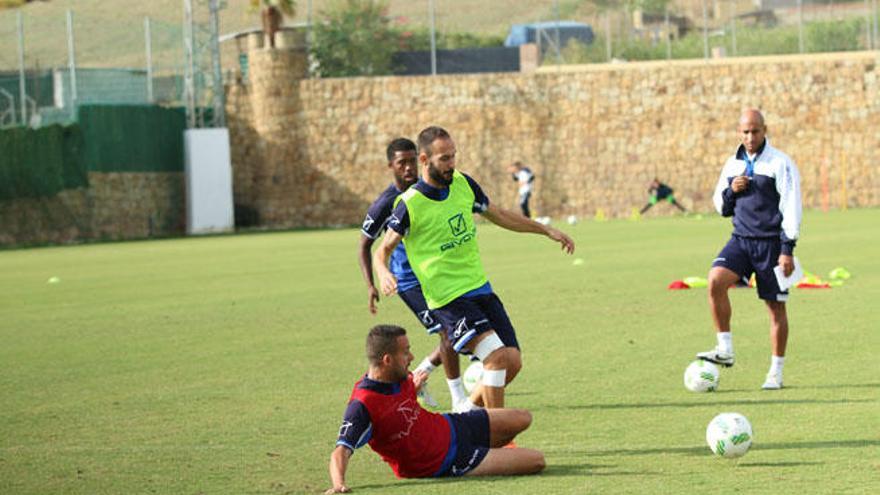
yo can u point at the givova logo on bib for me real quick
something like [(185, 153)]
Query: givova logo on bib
[(459, 228)]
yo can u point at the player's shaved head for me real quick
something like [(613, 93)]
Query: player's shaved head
[(382, 340), (751, 116)]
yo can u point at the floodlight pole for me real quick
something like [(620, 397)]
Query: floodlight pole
[(433, 38), (22, 92)]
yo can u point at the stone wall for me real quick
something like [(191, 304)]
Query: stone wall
[(311, 152), (116, 206)]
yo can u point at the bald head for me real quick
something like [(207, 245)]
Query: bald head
[(751, 115), (752, 130)]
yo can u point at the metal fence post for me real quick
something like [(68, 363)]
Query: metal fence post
[(733, 27), (433, 38), (71, 60), (148, 42), (219, 96), (705, 31), (800, 8), (668, 32), (876, 27), (556, 14), (189, 87), (22, 92), (608, 35)]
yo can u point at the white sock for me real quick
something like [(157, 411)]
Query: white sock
[(456, 389), (725, 342), (776, 363), (425, 366)]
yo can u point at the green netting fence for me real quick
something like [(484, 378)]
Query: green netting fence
[(42, 162), (37, 163)]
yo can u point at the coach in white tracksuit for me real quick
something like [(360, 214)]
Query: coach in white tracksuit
[(760, 188)]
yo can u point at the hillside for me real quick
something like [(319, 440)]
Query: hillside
[(111, 33)]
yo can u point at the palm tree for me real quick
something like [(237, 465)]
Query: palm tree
[(272, 12)]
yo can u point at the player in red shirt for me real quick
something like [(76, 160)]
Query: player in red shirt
[(416, 443)]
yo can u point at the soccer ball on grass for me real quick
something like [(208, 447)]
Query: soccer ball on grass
[(701, 376), (729, 435)]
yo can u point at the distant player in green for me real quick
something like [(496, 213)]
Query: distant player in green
[(435, 220), (659, 191)]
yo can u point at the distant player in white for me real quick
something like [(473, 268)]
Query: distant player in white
[(760, 188), (524, 178)]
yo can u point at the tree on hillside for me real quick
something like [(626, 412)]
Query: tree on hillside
[(272, 13), (355, 39)]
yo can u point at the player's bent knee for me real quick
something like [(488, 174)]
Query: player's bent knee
[(488, 347)]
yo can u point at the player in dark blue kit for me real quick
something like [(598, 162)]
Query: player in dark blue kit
[(383, 412), (659, 191), (401, 154), (760, 188)]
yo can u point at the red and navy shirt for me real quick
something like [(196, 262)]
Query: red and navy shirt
[(413, 441)]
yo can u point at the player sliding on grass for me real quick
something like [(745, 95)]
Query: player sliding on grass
[(760, 188), (401, 154), (417, 443), (435, 220)]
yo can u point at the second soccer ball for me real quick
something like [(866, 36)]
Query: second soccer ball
[(701, 376)]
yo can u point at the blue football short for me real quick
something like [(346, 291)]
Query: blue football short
[(745, 255), (466, 317), (469, 442), (415, 301)]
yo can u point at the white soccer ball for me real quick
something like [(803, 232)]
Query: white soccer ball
[(572, 219), (543, 220), (701, 376), (472, 376), (729, 435)]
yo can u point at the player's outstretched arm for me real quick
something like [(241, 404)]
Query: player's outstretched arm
[(338, 465), (387, 280), (517, 223), (365, 260)]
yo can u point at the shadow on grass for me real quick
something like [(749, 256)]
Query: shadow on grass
[(590, 470), (740, 402), (834, 385), (702, 450), (777, 464)]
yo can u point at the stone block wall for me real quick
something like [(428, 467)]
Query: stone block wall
[(116, 206), (311, 152)]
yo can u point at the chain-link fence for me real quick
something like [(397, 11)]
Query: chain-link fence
[(54, 61), (729, 28), (54, 58)]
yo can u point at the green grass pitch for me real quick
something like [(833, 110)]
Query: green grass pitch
[(222, 365)]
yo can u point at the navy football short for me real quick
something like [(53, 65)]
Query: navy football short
[(466, 317), (469, 442), (744, 256), (415, 301)]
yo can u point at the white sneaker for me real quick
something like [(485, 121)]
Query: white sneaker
[(426, 399), (464, 406), (715, 356), (772, 382)]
